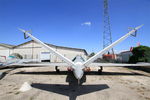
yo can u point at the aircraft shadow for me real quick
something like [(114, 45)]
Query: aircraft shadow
[(87, 73), (44, 73), (73, 89), (114, 73)]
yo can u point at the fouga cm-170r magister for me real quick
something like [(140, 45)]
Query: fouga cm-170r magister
[(79, 65)]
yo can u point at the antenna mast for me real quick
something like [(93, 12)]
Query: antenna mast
[(107, 38)]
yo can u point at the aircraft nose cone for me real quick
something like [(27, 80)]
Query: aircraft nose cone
[(78, 74)]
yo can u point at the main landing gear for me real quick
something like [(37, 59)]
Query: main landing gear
[(57, 70), (100, 70)]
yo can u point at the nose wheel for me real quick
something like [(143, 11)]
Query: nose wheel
[(57, 70), (100, 70)]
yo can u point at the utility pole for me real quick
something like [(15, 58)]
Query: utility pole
[(107, 36)]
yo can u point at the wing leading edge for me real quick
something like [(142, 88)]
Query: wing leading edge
[(117, 64)]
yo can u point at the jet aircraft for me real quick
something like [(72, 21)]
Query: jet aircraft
[(79, 65)]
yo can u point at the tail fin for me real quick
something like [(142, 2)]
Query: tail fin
[(110, 46), (68, 61)]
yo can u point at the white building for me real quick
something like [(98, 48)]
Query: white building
[(124, 56), (33, 50)]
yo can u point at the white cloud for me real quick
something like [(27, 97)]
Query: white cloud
[(86, 24)]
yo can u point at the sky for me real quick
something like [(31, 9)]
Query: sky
[(74, 23)]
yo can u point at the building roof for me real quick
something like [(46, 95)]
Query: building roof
[(51, 45), (7, 45), (125, 51)]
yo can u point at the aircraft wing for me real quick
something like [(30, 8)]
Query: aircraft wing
[(30, 62), (39, 64), (117, 64)]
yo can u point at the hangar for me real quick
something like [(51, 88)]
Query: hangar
[(33, 50)]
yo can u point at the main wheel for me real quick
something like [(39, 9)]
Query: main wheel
[(57, 70), (100, 70)]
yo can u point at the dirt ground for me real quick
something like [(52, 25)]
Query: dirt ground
[(115, 83)]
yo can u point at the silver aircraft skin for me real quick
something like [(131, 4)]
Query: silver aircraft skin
[(79, 65)]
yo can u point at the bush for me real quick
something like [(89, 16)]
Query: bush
[(140, 54)]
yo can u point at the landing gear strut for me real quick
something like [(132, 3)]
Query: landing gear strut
[(57, 70), (100, 70)]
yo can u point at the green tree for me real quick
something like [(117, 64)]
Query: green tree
[(140, 54), (92, 54)]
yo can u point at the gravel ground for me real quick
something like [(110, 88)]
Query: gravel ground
[(115, 83)]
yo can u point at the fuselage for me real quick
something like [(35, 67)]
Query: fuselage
[(78, 68), (79, 64)]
